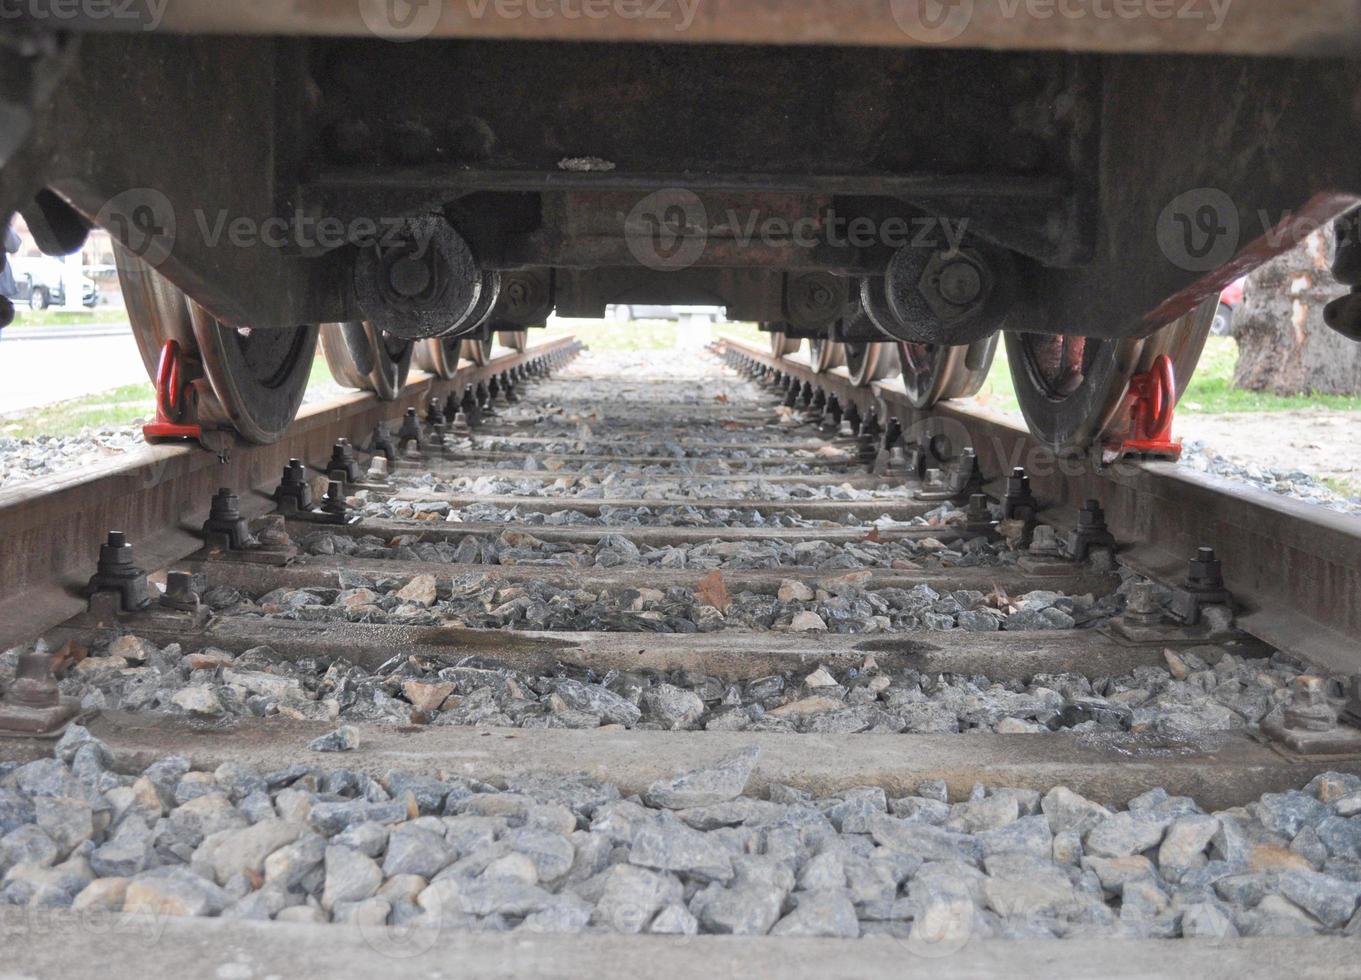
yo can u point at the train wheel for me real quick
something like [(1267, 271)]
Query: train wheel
[(1071, 388), (157, 309), (516, 340), (782, 346), (345, 346), (825, 354), (477, 351), (394, 364), (868, 363), (361, 356), (259, 376), (932, 373), (439, 355)]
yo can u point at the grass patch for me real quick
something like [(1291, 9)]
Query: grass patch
[(749, 332), (129, 405), (616, 335), (1211, 391), (24, 317), (321, 374), (121, 406), (1341, 485)]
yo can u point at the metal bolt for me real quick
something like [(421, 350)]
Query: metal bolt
[(34, 685), (831, 420), (179, 591), (409, 276), (1019, 501), (294, 487), (960, 283), (978, 515), (1142, 608), (343, 461), (334, 501), (1353, 707), (1309, 709), (819, 295), (116, 572), (1205, 572)]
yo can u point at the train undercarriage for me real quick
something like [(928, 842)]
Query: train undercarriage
[(855, 176)]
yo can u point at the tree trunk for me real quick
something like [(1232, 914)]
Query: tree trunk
[(1283, 345)]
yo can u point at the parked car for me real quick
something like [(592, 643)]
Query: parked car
[(1229, 301), (41, 282)]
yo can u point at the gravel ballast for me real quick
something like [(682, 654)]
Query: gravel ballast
[(693, 855), (1199, 690)]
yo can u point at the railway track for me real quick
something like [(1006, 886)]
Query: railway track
[(642, 657)]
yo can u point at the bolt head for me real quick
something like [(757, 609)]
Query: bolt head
[(409, 276), (960, 283)]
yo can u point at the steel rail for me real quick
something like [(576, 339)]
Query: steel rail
[(1294, 568), (52, 528)]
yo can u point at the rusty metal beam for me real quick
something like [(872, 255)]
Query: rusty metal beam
[(730, 654), (1220, 769), (324, 572), (1255, 27)]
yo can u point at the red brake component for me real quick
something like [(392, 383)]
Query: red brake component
[(1148, 409), (174, 415)]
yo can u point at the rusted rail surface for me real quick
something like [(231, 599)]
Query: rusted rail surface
[(51, 528), (1294, 568), (1256, 27)]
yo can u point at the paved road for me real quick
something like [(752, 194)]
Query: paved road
[(65, 362)]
